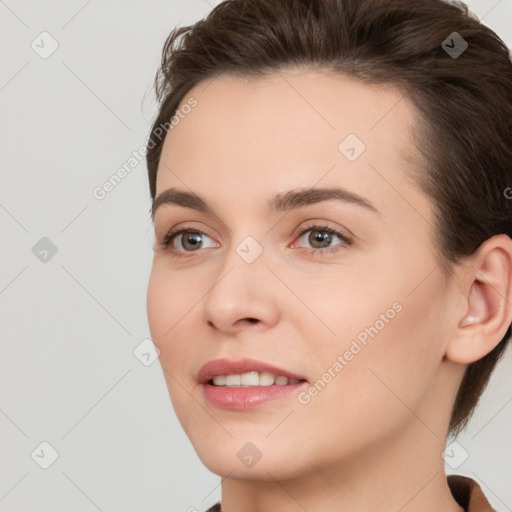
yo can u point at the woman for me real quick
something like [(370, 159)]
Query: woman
[(331, 284)]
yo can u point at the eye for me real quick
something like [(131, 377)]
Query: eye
[(320, 237), (192, 242), (189, 240)]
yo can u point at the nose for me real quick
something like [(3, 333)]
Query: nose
[(243, 296)]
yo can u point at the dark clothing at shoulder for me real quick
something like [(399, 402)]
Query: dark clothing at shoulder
[(468, 494)]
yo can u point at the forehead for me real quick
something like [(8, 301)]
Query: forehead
[(293, 128)]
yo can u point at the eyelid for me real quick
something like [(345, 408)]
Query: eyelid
[(326, 226)]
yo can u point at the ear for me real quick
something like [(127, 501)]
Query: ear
[(488, 301)]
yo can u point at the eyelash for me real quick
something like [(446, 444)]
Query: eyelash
[(167, 246)]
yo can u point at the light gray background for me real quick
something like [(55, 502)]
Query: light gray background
[(68, 374)]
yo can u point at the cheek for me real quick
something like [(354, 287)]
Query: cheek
[(171, 319), (342, 306), (171, 296), (368, 393), (170, 311), (377, 347)]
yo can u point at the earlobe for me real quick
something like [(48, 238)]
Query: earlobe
[(488, 312)]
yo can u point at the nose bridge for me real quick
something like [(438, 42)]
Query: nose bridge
[(249, 250), (238, 291), (246, 252), (242, 267)]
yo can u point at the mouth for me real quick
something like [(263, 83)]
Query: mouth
[(252, 379), (246, 383), (245, 373)]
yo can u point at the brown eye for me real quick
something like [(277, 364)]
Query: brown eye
[(320, 238), (191, 241), (188, 240), (323, 238)]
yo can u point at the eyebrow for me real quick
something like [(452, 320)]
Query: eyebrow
[(283, 202)]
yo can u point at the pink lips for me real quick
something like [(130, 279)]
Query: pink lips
[(244, 397)]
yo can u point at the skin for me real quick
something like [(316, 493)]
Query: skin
[(372, 439)]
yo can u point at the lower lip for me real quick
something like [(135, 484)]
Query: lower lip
[(246, 398)]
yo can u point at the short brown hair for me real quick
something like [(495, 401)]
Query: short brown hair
[(464, 101)]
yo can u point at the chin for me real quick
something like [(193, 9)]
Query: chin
[(240, 458)]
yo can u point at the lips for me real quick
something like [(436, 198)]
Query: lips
[(238, 367)]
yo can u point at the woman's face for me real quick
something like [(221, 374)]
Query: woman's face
[(362, 315)]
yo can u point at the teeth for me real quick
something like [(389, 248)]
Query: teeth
[(266, 379), (252, 379), (219, 380), (233, 380)]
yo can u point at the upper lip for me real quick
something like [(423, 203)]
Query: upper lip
[(239, 366)]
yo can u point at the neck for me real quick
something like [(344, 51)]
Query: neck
[(404, 473)]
